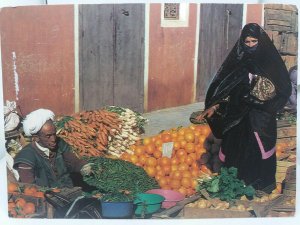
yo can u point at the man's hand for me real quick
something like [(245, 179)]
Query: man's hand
[(86, 169)]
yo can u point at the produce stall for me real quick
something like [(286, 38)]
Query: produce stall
[(173, 174)]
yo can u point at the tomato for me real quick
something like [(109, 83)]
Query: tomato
[(29, 208), (12, 187)]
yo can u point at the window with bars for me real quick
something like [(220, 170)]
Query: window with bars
[(174, 15), (171, 11)]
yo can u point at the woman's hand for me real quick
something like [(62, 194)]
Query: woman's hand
[(207, 113)]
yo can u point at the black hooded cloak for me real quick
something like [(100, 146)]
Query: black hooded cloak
[(245, 122)]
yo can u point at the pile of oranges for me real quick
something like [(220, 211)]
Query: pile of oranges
[(180, 171), (28, 190), (20, 208)]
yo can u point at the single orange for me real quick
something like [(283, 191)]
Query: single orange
[(163, 182), (183, 143), (147, 140), (186, 173), (186, 182), (176, 174), (174, 167), (157, 154), (150, 148), (150, 170), (167, 169), (189, 160), (183, 167), (174, 160), (166, 137), (181, 152), (134, 159), (12, 187), (182, 190), (190, 147), (151, 161), (142, 159), (193, 156), (165, 161), (176, 145), (139, 150), (159, 173), (175, 184), (158, 142), (29, 208), (189, 137)]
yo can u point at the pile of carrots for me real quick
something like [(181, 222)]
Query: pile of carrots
[(88, 132)]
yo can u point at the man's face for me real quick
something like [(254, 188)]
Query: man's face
[(46, 137)]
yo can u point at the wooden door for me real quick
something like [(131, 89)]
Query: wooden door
[(220, 26), (111, 56)]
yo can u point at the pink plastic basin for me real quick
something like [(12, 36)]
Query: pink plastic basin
[(171, 197)]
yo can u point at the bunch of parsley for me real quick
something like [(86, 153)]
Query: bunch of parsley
[(226, 186)]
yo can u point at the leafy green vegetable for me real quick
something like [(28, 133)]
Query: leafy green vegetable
[(116, 197), (118, 176), (115, 109), (226, 186), (60, 123)]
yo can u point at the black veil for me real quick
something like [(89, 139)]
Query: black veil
[(263, 60)]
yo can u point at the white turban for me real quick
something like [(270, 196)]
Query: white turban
[(34, 121)]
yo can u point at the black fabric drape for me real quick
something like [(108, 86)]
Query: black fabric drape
[(246, 124), (264, 61)]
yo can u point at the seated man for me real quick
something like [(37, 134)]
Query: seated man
[(47, 160)]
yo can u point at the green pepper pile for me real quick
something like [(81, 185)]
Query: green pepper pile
[(118, 176)]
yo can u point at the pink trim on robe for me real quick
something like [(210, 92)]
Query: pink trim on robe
[(221, 155), (264, 154)]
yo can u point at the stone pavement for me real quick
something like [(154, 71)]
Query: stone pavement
[(165, 119)]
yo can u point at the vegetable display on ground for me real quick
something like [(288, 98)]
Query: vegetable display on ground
[(118, 176), (179, 170), (88, 132), (226, 185), (132, 126), (108, 131)]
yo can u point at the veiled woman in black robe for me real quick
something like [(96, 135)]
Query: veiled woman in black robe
[(241, 105)]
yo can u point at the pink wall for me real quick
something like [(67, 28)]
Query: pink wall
[(42, 73), (171, 61), (255, 13)]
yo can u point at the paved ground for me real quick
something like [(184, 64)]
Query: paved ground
[(171, 117)]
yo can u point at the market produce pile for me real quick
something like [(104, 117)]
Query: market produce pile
[(132, 125), (180, 169), (226, 186), (108, 131), (183, 159), (25, 200), (117, 176)]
